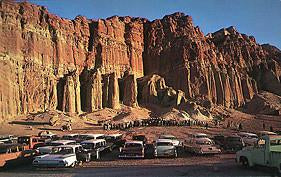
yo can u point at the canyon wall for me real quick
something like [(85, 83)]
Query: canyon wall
[(82, 65)]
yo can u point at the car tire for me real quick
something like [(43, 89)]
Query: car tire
[(176, 154), (244, 161), (88, 158), (73, 165)]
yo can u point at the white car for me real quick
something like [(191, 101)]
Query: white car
[(48, 149), (95, 146), (164, 148), (175, 141), (61, 156), (249, 139), (201, 146), (89, 136)]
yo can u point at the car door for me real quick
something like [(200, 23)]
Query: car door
[(258, 153)]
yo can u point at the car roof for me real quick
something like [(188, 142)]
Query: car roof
[(116, 134), (93, 134), (134, 142), (246, 133), (167, 136), (203, 139), (63, 141), (69, 145), (93, 141), (73, 134), (164, 141), (200, 134)]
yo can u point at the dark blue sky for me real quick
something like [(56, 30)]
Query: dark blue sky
[(260, 18)]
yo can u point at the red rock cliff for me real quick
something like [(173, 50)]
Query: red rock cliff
[(48, 62)]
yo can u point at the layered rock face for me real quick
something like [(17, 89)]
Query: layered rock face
[(225, 68), (48, 63), (40, 51)]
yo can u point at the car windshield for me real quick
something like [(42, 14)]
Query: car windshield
[(133, 145), (276, 142), (204, 142), (201, 136), (168, 137), (139, 138), (63, 150), (87, 145), (164, 144)]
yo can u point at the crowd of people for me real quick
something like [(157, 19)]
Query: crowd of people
[(153, 122)]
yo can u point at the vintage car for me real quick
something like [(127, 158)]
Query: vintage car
[(249, 138), (266, 152), (95, 147), (7, 139), (10, 152), (30, 141), (73, 136), (60, 156), (140, 138), (48, 135), (175, 141), (219, 140), (233, 143), (193, 136), (49, 145), (164, 148), (89, 136), (132, 149), (201, 146), (115, 140)]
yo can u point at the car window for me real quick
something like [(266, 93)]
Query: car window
[(164, 144), (201, 136), (275, 142), (88, 145)]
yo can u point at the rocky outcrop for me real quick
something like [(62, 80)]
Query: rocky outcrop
[(264, 103), (153, 90)]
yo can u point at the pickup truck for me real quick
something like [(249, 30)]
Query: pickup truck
[(266, 152)]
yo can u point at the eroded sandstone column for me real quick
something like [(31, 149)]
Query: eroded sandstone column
[(94, 95), (68, 104), (113, 92), (130, 91)]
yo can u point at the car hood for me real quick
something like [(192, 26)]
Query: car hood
[(54, 156), (164, 148), (175, 142)]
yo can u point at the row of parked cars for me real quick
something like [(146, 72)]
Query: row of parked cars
[(51, 150)]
